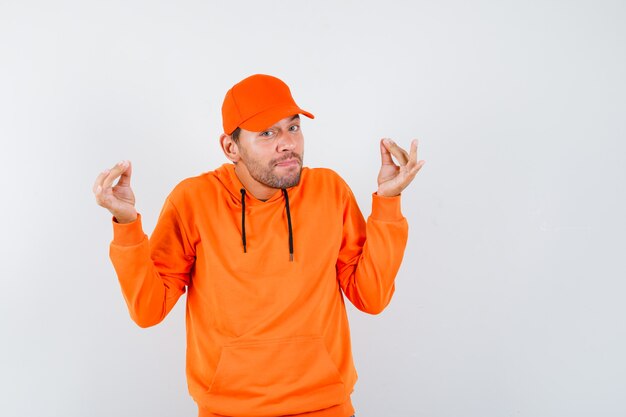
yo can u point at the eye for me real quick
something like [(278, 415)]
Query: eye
[(266, 134), (294, 128)]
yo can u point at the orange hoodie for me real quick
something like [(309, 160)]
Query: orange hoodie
[(267, 335)]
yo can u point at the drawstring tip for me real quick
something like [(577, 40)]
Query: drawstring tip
[(291, 257)]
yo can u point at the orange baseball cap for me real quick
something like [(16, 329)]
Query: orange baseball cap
[(257, 102)]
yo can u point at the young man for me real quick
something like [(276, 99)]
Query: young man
[(266, 250)]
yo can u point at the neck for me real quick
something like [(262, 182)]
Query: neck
[(258, 190)]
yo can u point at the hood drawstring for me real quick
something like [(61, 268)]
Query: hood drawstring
[(243, 218), (289, 223), (243, 221)]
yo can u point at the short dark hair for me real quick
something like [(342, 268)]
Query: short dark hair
[(235, 135)]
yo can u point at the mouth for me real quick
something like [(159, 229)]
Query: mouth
[(288, 162)]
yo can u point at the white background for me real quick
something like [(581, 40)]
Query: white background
[(510, 301)]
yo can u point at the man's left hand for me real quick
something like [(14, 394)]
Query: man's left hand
[(392, 179)]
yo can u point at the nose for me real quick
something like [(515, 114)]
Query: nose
[(286, 142)]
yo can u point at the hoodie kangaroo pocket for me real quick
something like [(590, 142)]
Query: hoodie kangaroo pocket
[(275, 378)]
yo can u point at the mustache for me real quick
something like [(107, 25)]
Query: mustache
[(290, 155)]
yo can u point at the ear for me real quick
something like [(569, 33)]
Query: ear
[(229, 147)]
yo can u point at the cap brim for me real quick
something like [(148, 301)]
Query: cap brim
[(269, 117)]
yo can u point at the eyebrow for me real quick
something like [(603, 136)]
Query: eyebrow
[(296, 117)]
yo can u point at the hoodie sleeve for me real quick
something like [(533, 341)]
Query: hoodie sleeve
[(152, 273), (371, 253)]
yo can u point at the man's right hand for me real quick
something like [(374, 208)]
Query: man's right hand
[(118, 199)]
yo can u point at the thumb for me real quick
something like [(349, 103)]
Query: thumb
[(385, 155)]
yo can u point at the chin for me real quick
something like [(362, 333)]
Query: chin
[(288, 181)]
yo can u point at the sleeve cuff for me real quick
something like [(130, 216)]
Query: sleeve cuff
[(128, 234), (386, 208)]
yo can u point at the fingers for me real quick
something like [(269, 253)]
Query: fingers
[(412, 167), (105, 179), (413, 152), (99, 180), (392, 183), (98, 191), (409, 175), (125, 178), (115, 172), (400, 154)]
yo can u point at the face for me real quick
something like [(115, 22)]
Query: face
[(273, 157)]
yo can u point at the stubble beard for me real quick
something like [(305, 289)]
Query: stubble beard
[(266, 175)]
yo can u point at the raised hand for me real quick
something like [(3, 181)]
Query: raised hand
[(118, 199), (392, 179)]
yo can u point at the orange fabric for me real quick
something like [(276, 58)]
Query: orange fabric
[(257, 102), (343, 410), (265, 336)]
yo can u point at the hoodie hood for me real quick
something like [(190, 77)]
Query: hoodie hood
[(229, 179)]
